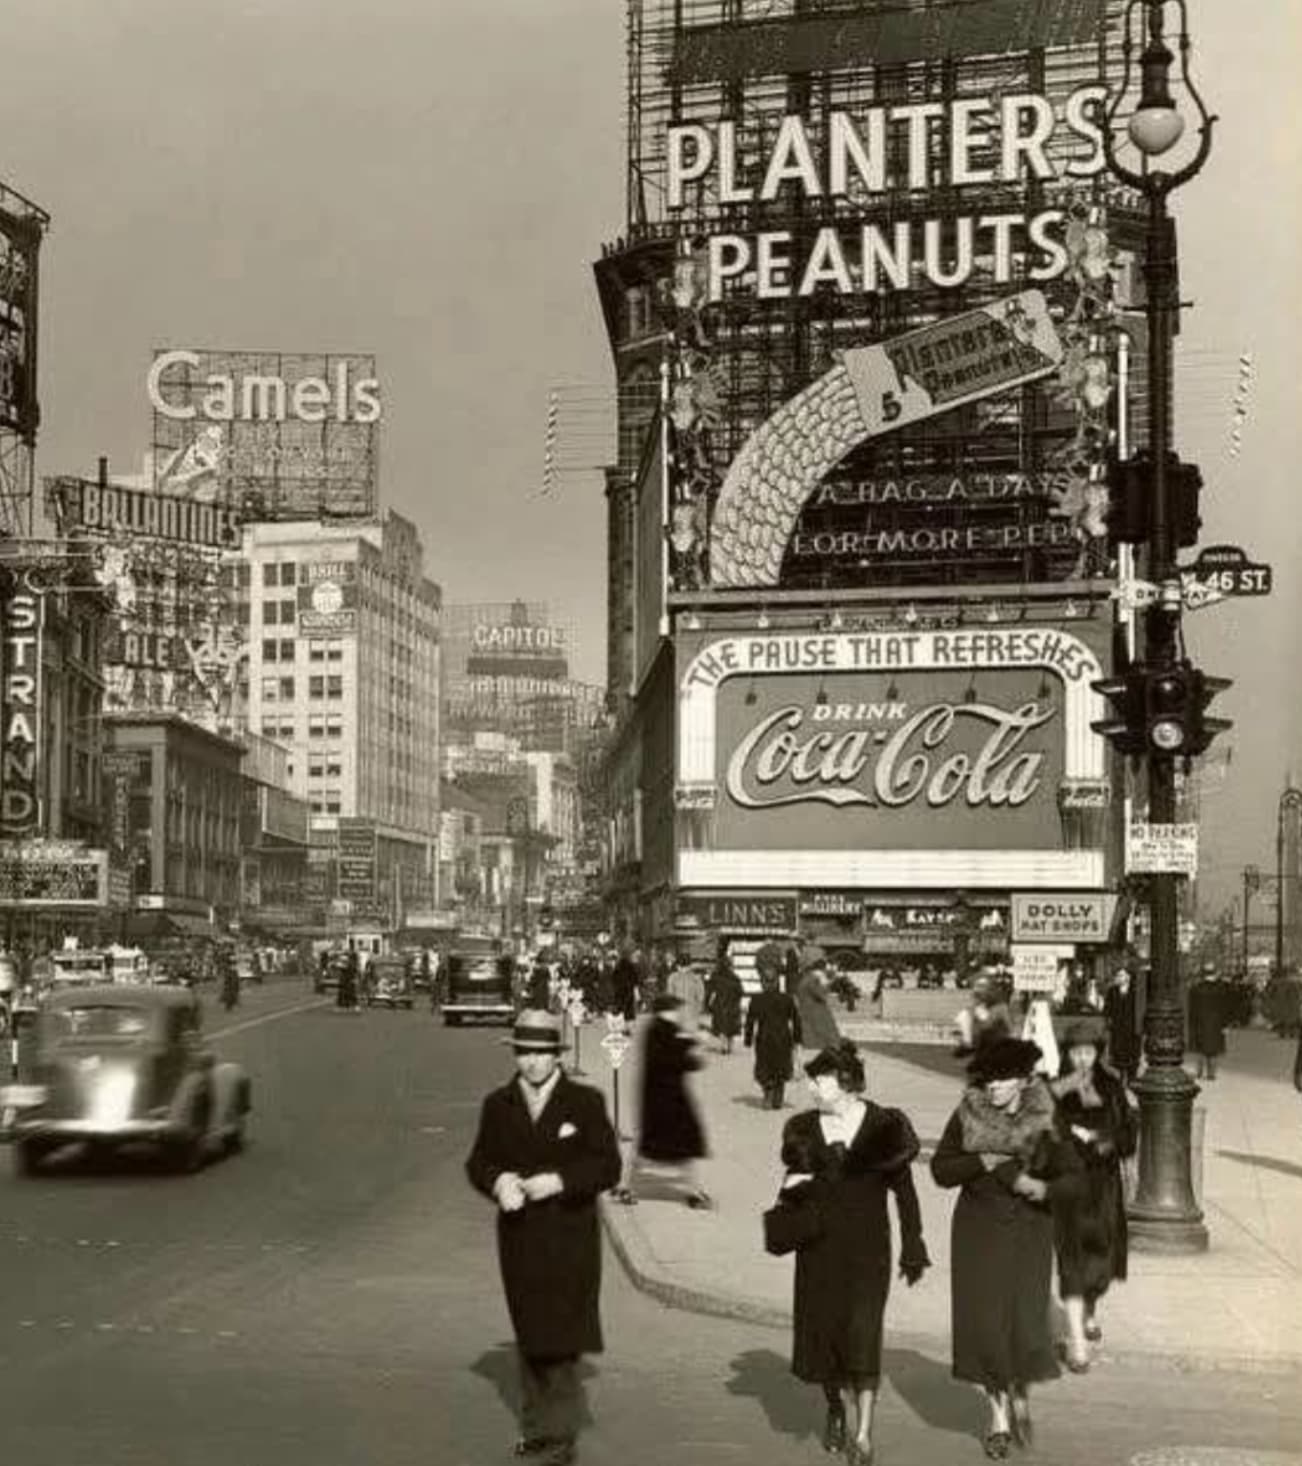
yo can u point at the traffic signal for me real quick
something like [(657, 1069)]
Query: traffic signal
[(1206, 729), (1130, 500), (1124, 725), (1161, 710), (1169, 709)]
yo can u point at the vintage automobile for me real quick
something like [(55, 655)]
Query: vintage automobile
[(388, 983), (477, 986), (124, 1066)]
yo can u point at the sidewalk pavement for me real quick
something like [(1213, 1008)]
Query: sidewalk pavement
[(1234, 1307)]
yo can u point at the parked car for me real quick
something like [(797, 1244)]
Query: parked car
[(125, 1066), (389, 984), (478, 987)]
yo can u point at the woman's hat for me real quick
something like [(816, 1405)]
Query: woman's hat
[(1082, 1031), (536, 1032), (1002, 1057)]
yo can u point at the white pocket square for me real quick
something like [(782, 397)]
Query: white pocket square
[(566, 1131)]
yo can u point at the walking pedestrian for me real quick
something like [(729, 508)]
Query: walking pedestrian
[(848, 1153), (1003, 1149), (988, 1013), (544, 1151), (818, 1028), (724, 996), (1090, 1226), (625, 980), (1121, 1012), (671, 1132), (1207, 1021), (773, 1029), (688, 986)]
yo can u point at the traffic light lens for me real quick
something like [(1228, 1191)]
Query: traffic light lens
[(1169, 691), (1167, 735)]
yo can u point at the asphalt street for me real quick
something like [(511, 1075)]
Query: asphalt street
[(331, 1297)]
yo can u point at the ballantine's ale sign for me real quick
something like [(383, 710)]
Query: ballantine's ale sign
[(976, 753)]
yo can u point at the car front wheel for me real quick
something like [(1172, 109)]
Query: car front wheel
[(28, 1155)]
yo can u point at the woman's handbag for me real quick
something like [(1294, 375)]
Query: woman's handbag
[(791, 1225)]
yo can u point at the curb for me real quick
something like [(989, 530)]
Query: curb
[(657, 1283)]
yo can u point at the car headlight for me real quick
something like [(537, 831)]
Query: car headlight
[(112, 1098)]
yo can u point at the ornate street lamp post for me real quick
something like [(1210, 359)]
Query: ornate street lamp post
[(1290, 802), (1165, 1214)]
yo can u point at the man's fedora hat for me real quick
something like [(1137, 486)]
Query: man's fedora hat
[(536, 1032)]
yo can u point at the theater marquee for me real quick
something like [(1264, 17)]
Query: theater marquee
[(890, 760)]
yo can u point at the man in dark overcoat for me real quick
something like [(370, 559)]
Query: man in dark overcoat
[(544, 1151), (1207, 1021)]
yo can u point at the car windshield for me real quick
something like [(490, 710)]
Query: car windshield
[(98, 1021), (489, 971)]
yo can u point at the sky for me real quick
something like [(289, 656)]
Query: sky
[(430, 181)]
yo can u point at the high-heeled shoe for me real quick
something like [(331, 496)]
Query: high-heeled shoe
[(1078, 1361), (834, 1430), (1093, 1332), (857, 1454), (996, 1444)]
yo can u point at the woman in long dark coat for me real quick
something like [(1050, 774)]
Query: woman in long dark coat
[(723, 1002), (773, 1029), (848, 1154), (1090, 1227), (671, 1130), (1002, 1146)]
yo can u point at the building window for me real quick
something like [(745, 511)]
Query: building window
[(334, 767), (289, 572), (287, 613), (269, 646), (316, 687), (334, 728), (287, 689), (271, 575), (316, 651), (270, 612), (287, 649), (270, 686), (315, 768), (316, 726), (334, 686), (269, 728)]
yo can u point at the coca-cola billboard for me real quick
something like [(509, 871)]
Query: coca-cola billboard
[(943, 760), (889, 759)]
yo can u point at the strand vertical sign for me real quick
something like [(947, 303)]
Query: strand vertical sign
[(20, 711)]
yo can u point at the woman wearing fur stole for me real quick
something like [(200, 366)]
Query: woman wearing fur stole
[(843, 1157), (1090, 1230), (1002, 1146)]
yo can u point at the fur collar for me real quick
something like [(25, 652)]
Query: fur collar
[(885, 1140), (990, 1129)]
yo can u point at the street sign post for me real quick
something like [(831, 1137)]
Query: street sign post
[(1227, 570)]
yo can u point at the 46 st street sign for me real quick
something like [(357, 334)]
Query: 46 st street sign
[(1227, 570)]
